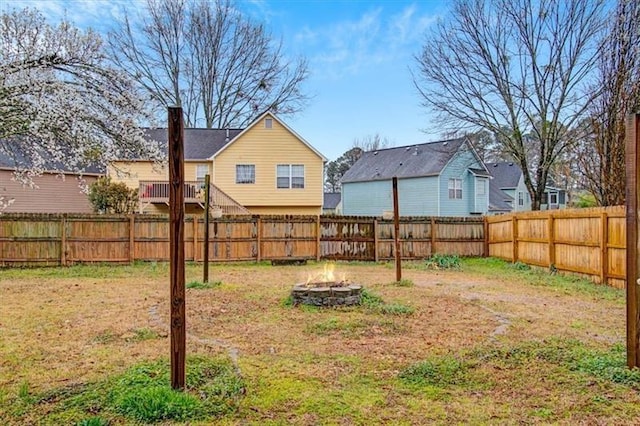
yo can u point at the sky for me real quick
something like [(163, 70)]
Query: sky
[(360, 54)]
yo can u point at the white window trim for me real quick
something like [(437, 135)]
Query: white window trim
[(290, 166), (254, 174), (200, 166), (457, 186)]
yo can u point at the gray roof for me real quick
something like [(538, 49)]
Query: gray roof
[(427, 159), (506, 175), (199, 144), (331, 200), (15, 159)]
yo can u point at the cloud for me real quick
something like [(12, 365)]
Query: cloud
[(375, 37)]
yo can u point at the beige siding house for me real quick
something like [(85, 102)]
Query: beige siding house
[(266, 168)]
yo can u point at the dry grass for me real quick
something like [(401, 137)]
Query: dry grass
[(513, 339)]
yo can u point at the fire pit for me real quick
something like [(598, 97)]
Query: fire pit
[(325, 290)]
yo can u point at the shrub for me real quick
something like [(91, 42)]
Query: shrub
[(109, 197)]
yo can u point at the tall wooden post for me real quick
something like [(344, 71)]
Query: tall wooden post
[(176, 251), (633, 267), (207, 203), (396, 226)]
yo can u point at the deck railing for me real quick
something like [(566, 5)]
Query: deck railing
[(157, 192)]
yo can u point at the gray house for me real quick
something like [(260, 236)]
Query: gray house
[(445, 178), (508, 193)]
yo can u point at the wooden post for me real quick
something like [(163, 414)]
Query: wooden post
[(396, 226), (376, 257), (132, 238), (195, 238), (258, 239), (63, 241), (486, 238), (205, 259), (318, 238), (176, 237), (604, 248), (433, 235), (632, 189), (514, 233), (552, 246)]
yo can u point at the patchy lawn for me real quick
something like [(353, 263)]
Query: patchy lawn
[(484, 343)]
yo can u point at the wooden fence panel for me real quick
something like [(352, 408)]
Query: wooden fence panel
[(347, 238), (151, 238), (31, 240), (105, 239), (585, 241)]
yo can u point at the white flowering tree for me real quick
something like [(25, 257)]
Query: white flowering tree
[(61, 106)]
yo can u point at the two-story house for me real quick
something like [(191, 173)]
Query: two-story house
[(445, 178), (266, 168)]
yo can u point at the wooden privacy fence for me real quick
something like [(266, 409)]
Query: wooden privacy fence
[(584, 241), (50, 239)]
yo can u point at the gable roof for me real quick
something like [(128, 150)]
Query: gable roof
[(199, 144), (282, 123), (331, 200), (206, 144), (427, 159), (506, 174)]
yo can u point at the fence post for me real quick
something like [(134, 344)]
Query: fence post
[(552, 246), (63, 240), (486, 237), (132, 238), (433, 235), (258, 239), (604, 248), (376, 257), (318, 235), (514, 234), (195, 238)]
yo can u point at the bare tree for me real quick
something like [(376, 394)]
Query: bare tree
[(208, 58), (371, 143), (516, 69), (601, 154), (61, 106)]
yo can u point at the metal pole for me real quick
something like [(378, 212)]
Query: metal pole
[(176, 243), (205, 269)]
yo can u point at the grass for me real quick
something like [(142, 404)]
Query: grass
[(199, 285), (82, 347)]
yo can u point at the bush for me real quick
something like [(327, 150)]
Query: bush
[(443, 261), (109, 197)]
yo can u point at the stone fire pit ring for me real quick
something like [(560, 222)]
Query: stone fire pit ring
[(327, 294)]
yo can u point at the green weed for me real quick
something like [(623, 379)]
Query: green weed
[(199, 285), (443, 261), (438, 371), (403, 283)]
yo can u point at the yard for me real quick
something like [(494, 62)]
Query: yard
[(486, 343)]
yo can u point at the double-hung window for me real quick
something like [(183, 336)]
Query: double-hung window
[(245, 173), (455, 189), (290, 176), (201, 171)]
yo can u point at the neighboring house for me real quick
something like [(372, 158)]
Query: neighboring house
[(266, 168), (55, 191), (445, 178), (508, 192), (331, 203)]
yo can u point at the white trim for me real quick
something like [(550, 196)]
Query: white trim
[(259, 120)]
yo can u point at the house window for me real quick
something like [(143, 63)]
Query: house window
[(268, 123), (520, 198), (245, 173), (201, 171), (553, 198), (455, 189), (290, 176), (482, 187)]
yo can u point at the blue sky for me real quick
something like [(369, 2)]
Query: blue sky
[(359, 54)]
